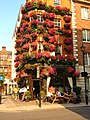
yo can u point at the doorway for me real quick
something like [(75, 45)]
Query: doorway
[(36, 89)]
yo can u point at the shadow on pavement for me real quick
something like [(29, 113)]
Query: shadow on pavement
[(84, 111)]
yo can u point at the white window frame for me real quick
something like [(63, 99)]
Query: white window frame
[(56, 2), (85, 13), (86, 35), (40, 18), (87, 59), (57, 23)]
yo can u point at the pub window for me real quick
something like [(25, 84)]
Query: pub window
[(57, 23), (40, 19)]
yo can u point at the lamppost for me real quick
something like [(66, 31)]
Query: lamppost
[(84, 74)]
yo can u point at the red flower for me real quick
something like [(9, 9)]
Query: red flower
[(68, 41), (67, 19), (34, 44), (58, 7), (70, 70), (52, 31), (76, 73), (52, 40), (39, 55)]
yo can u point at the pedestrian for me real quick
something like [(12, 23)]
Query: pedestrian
[(16, 92)]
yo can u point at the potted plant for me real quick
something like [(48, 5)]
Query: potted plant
[(28, 96)]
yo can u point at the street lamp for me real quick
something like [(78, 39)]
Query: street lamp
[(84, 74)]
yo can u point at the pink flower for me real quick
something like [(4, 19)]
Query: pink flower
[(52, 31), (70, 70), (76, 73), (34, 44), (53, 57), (67, 19), (25, 46), (58, 7), (60, 57), (50, 24), (68, 41), (52, 48), (24, 75), (52, 40), (27, 36), (39, 55), (48, 55), (51, 70), (35, 22)]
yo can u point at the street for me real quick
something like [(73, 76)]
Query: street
[(53, 114), (83, 111)]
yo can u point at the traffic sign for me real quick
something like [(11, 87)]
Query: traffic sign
[(1, 78)]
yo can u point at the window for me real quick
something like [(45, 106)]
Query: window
[(40, 18), (85, 13), (87, 59), (88, 83), (86, 35), (56, 2), (57, 23)]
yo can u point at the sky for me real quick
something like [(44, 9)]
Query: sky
[(9, 10)]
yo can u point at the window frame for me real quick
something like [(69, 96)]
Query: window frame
[(57, 22), (56, 2), (87, 59), (85, 13), (85, 35)]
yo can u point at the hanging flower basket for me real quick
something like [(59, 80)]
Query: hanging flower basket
[(67, 19), (67, 25), (52, 31), (69, 48), (68, 41)]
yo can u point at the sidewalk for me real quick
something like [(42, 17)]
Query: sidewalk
[(8, 104)]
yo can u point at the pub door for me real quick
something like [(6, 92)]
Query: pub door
[(36, 89)]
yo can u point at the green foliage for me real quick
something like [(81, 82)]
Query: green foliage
[(77, 89), (28, 95)]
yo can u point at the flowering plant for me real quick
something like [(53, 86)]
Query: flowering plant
[(50, 24), (34, 23), (34, 35), (52, 47), (33, 14), (68, 41), (33, 44), (52, 40), (52, 31), (68, 33), (69, 48), (47, 71), (67, 19), (46, 46), (67, 25), (61, 31), (51, 16)]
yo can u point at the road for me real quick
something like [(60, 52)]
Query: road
[(83, 111), (50, 114)]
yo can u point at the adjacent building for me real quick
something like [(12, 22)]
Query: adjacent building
[(6, 62), (81, 35)]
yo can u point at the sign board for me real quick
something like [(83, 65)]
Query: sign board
[(84, 74), (1, 78)]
